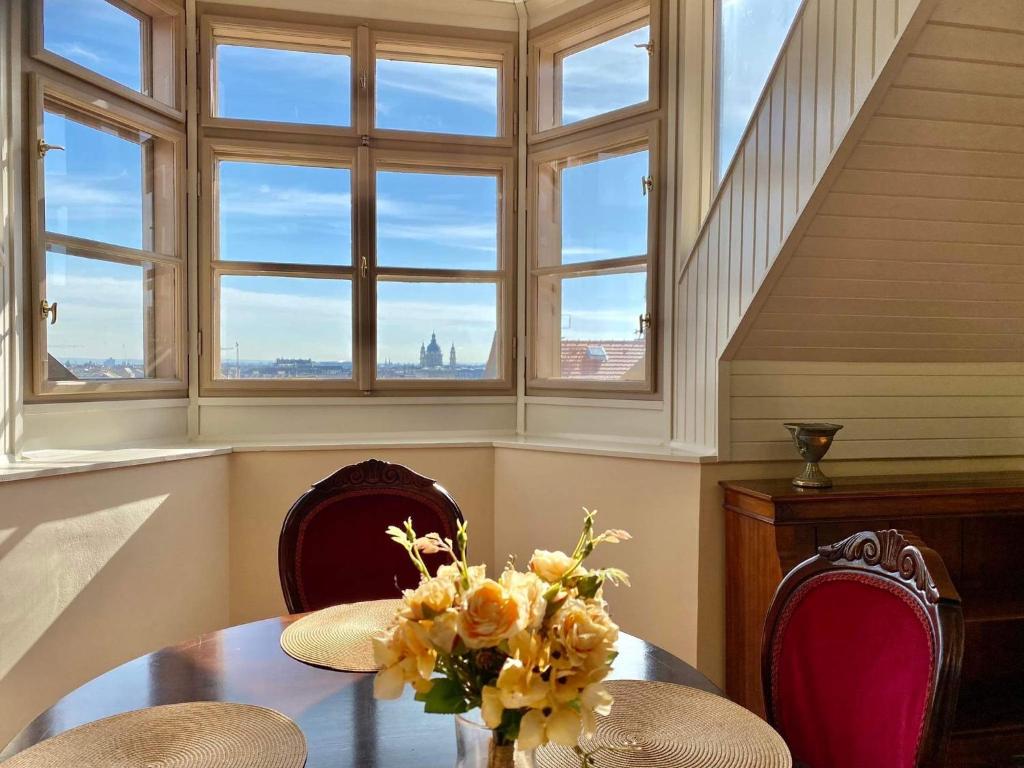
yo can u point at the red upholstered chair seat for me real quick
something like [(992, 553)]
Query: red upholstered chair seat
[(861, 655), (333, 547), (853, 668)]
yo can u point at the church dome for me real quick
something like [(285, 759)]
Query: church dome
[(433, 346)]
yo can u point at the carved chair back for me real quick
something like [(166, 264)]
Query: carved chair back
[(333, 547), (861, 655)]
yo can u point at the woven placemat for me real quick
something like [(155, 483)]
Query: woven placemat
[(661, 725), (201, 734), (340, 637)]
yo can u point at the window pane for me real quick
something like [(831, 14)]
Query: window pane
[(597, 327), (283, 86), (437, 331), (289, 213), (607, 76), (752, 35), (99, 331), (604, 210), (437, 220), (94, 187), (437, 98), (285, 328), (97, 35)]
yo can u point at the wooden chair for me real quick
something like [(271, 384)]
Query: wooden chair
[(861, 655), (333, 547)]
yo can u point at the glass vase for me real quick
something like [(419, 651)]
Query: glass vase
[(476, 747)]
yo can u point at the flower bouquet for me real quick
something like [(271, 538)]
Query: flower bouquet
[(530, 649)]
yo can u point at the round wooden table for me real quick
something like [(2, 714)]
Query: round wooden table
[(345, 726)]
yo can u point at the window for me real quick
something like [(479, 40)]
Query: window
[(107, 248), (132, 47), (594, 206), (604, 66), (282, 262), (381, 262), (284, 73), (425, 92), (751, 34)]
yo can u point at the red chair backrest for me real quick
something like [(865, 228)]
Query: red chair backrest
[(333, 547), (861, 655)]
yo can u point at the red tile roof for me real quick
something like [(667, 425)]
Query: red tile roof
[(620, 361)]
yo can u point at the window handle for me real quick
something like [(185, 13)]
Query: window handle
[(364, 267), (46, 309), (645, 323), (646, 184), (649, 45), (42, 147)]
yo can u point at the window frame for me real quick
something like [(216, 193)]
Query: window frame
[(551, 43), (503, 275), (262, 33), (368, 146), (211, 269), (80, 100), (626, 139), (449, 50), (637, 124), (163, 37)]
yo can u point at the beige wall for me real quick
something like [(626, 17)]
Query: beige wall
[(98, 568), (265, 484), (537, 500)]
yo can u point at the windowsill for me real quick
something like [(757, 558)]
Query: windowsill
[(39, 464), (54, 463)]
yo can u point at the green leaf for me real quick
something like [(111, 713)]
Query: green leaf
[(445, 697), (589, 585)]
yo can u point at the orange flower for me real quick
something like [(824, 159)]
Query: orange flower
[(490, 614)]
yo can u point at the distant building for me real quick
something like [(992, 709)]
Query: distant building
[(431, 355), (603, 360), (451, 357)]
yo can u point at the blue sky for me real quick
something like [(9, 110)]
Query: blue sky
[(752, 35), (303, 215)]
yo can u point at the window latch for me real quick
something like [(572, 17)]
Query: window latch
[(363, 81), (646, 184), (42, 147), (364, 267), (46, 309), (649, 46), (645, 323)]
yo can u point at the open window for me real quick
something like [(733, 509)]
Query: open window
[(595, 203), (595, 69), (593, 244), (130, 47), (107, 248)]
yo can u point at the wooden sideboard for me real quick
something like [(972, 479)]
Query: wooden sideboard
[(975, 522)]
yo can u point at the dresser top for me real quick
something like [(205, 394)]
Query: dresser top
[(782, 490)]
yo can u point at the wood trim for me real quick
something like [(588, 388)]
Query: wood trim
[(169, 321)]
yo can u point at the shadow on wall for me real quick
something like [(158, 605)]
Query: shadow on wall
[(97, 569)]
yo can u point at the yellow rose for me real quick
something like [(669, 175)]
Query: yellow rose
[(430, 598), (529, 592), (562, 725), (443, 630), (550, 566), (490, 614), (583, 635)]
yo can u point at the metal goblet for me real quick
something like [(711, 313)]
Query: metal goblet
[(812, 440)]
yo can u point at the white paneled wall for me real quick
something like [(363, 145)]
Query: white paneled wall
[(889, 410), (900, 310), (828, 66)]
